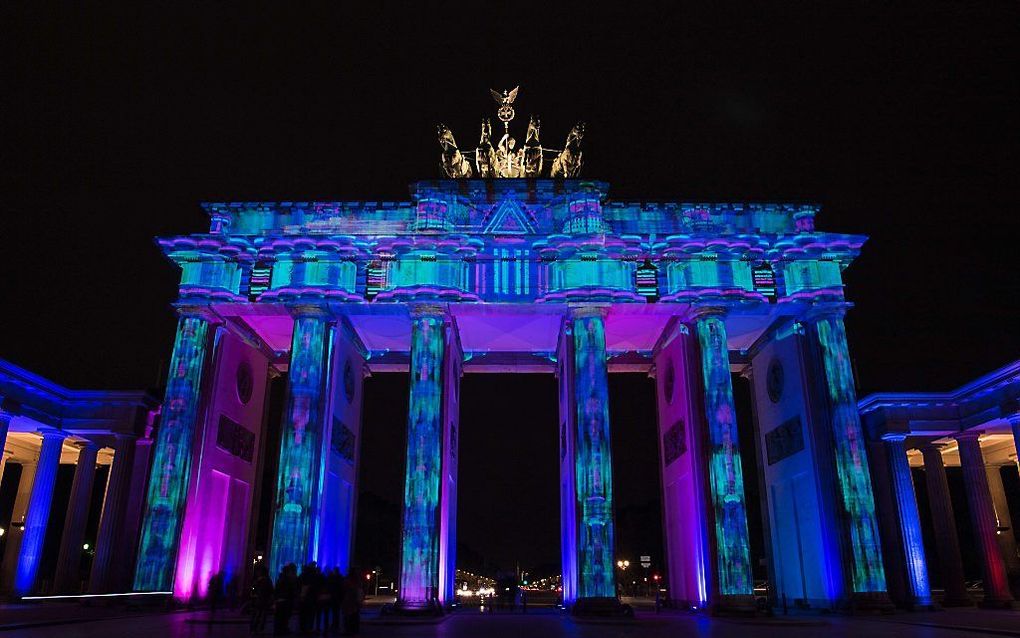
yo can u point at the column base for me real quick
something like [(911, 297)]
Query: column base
[(415, 609), (960, 600), (872, 602), (998, 603), (603, 607), (733, 605)]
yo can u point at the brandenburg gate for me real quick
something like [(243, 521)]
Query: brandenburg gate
[(513, 263)]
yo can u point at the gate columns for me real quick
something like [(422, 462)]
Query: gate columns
[(428, 530), (586, 468)]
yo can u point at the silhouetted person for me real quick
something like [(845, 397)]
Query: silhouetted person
[(286, 592), (215, 594), (261, 600), (351, 604), (335, 589), (308, 588)]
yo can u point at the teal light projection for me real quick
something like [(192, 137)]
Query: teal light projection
[(202, 270), (726, 479), (171, 465), (419, 557), (811, 275), (300, 445), (590, 270), (593, 473), (851, 458), (313, 269), (426, 269)]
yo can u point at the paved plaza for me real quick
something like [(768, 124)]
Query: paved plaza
[(66, 622)]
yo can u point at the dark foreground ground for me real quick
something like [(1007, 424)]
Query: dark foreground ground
[(71, 620)]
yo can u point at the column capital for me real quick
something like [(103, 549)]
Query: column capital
[(197, 311), (306, 310), (969, 435), (827, 309), (705, 310), (58, 435), (86, 444), (435, 310), (894, 437), (584, 310), (930, 446)]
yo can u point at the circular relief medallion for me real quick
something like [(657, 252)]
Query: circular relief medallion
[(348, 381), (668, 380), (774, 380), (245, 382)]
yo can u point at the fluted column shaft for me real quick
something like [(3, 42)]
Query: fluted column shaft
[(851, 460), (420, 521), (982, 518), (15, 532), (593, 479), (944, 522), (111, 525), (909, 521), (301, 442), (725, 471), (171, 465), (38, 514), (68, 575), (5, 424)]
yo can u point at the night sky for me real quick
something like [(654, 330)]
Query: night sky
[(901, 119)]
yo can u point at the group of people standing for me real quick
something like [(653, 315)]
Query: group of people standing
[(325, 601)]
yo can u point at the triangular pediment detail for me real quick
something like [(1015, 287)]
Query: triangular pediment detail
[(508, 218)]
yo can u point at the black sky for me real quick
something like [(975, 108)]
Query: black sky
[(901, 119)]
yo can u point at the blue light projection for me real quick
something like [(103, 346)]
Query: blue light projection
[(38, 513), (724, 471), (593, 460), (851, 459), (300, 445), (171, 465), (910, 519), (419, 557)]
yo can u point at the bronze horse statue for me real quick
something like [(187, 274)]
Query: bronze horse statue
[(533, 149), (568, 163), (485, 154), (455, 165)]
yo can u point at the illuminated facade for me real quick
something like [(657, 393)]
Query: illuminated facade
[(539, 276)]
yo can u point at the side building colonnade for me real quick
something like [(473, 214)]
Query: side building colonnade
[(44, 426), (913, 438)]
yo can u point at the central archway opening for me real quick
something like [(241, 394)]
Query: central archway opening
[(508, 497), (508, 510)]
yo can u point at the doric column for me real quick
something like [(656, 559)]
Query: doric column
[(16, 531), (136, 500), (1003, 521), (909, 521), (171, 466), (420, 525), (856, 498), (734, 585), (944, 523), (593, 478), (5, 424), (982, 518), (38, 514), (301, 440), (68, 576), (109, 541)]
